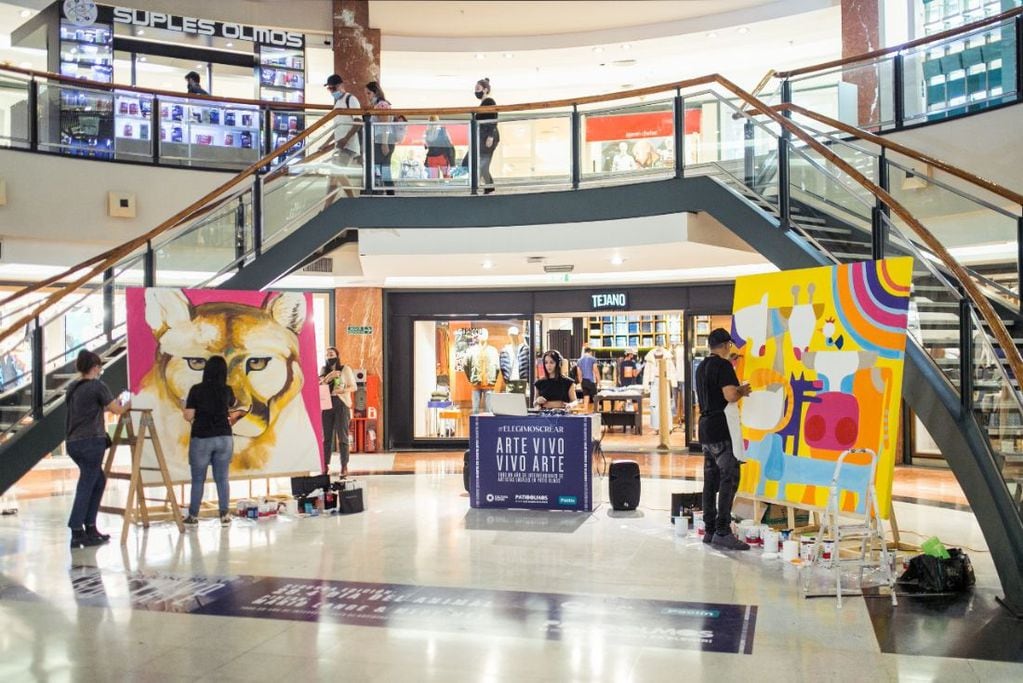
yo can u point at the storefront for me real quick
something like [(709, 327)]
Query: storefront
[(457, 347), (156, 50)]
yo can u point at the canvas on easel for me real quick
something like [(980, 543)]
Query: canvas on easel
[(823, 350)]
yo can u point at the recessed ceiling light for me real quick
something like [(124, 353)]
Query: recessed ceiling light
[(488, 264), (508, 55), (25, 13), (744, 30), (712, 35), (480, 55), (617, 260), (230, 44), (140, 32), (26, 65), (626, 46), (142, 58), (598, 49), (200, 65)]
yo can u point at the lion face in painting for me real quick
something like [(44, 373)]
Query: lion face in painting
[(260, 345)]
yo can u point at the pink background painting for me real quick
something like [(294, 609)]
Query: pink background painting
[(142, 344)]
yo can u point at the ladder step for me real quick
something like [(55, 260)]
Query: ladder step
[(112, 510), (119, 475)]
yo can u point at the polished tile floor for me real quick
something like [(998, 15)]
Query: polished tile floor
[(419, 531)]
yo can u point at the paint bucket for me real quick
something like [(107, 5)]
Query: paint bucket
[(751, 532), (698, 525), (827, 551), (806, 544), (291, 506), (771, 539), (790, 551)]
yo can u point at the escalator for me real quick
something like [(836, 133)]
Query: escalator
[(784, 191)]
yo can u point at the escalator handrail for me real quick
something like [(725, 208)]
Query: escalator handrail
[(891, 145), (895, 49), (111, 256), (977, 298)]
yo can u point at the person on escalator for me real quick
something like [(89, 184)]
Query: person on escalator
[(384, 139), (347, 143)]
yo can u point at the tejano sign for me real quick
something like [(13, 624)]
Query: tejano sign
[(614, 301)]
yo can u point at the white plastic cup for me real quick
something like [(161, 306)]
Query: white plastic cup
[(790, 551), (771, 539), (681, 527)]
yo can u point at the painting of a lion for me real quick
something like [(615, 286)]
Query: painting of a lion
[(265, 371)]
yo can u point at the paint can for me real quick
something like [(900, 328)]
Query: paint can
[(806, 544), (291, 507), (827, 551), (750, 532), (698, 525), (790, 551)]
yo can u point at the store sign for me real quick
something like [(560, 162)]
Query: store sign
[(207, 27), (360, 330), (81, 12), (658, 124), (609, 301)]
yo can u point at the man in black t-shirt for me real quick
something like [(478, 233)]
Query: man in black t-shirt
[(716, 387)]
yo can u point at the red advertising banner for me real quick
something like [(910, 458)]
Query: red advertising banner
[(636, 126)]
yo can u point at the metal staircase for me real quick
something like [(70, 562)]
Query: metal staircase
[(784, 191)]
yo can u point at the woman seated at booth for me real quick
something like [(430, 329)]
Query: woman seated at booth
[(554, 390)]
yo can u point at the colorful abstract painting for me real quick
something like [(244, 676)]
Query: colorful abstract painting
[(267, 339), (822, 349)]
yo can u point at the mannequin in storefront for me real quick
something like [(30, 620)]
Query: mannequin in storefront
[(482, 367), (515, 360), (652, 379)]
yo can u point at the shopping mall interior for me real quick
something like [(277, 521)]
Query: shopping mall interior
[(551, 196)]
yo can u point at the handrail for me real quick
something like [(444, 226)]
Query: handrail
[(113, 255), (765, 79), (934, 37), (990, 186), (978, 299)]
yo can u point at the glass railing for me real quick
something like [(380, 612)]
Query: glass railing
[(972, 70), (980, 228), (14, 111)]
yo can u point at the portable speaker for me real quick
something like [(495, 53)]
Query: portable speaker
[(623, 484), (303, 486)]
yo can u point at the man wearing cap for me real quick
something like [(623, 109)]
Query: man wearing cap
[(716, 387), (346, 129)]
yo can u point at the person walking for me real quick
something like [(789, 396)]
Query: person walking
[(86, 441), (337, 418), (489, 135), (209, 409), (383, 139), (586, 378), (716, 387), (440, 151)]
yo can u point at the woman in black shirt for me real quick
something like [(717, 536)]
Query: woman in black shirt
[(488, 133), (554, 389), (208, 408), (86, 442)]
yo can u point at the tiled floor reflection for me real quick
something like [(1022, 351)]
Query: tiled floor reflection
[(419, 530)]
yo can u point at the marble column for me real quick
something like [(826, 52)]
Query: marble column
[(359, 337), (861, 32), (356, 45)]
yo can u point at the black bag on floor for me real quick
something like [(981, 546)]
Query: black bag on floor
[(350, 501), (936, 575)]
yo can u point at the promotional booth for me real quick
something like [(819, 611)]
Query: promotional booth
[(536, 462)]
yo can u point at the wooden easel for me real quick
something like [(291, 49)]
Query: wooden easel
[(136, 507)]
